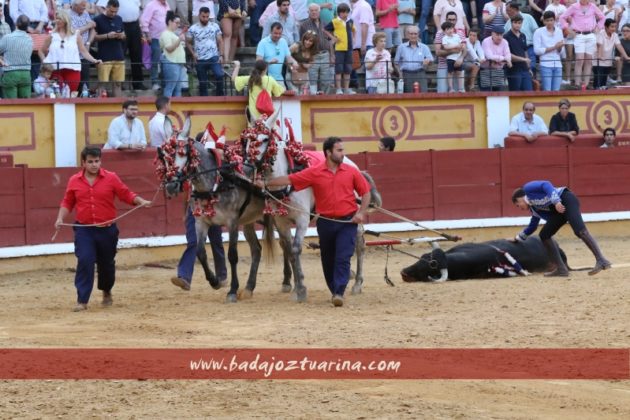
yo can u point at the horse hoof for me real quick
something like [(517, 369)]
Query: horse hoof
[(245, 294), (286, 288), (299, 296), (215, 286), (357, 289), (231, 299)]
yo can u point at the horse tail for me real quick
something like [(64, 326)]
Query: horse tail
[(376, 200), (268, 236)]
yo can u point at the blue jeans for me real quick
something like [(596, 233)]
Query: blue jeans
[(532, 59), (186, 265), (172, 74), (94, 245), (422, 22), (203, 66), (336, 244), (156, 52), (520, 80), (551, 78)]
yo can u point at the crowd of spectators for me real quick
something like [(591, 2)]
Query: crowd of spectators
[(312, 46)]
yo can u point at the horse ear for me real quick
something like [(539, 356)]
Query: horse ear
[(168, 128), (185, 131), (271, 121)]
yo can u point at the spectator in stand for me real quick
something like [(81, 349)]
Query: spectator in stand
[(624, 76), (528, 125), (498, 56), (494, 15), (16, 49), (583, 19), (612, 10), (6, 16), (326, 10), (62, 49), (126, 131), (303, 53), (528, 27), (320, 74), (564, 123), (272, 9), (386, 144), (42, 86), (173, 59), (342, 31), (537, 8), (111, 37), (289, 24), (274, 50), (37, 13), (153, 23), (443, 8), (378, 66), (232, 14), (197, 5), (455, 60), (255, 28), (92, 192), (255, 83), (567, 52), (548, 43), (180, 7), (424, 9), (205, 44), (607, 42), (157, 132), (363, 20), (406, 14), (130, 12), (474, 58), (442, 52), (609, 138), (83, 24), (412, 59), (519, 75), (5, 29), (387, 14)]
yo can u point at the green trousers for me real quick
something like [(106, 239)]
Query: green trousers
[(16, 84)]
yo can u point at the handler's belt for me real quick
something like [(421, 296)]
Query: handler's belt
[(99, 226), (346, 217)]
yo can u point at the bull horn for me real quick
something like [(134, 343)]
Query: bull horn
[(289, 129), (443, 276), (185, 131), (168, 128), (271, 120)]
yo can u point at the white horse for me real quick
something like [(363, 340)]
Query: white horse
[(299, 206)]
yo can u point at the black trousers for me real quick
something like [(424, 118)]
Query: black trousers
[(134, 45), (571, 215)]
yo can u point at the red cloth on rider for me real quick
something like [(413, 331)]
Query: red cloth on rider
[(334, 192), (95, 203)]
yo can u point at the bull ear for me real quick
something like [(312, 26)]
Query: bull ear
[(185, 132), (271, 121)]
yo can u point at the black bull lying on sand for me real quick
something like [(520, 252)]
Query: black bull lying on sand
[(480, 260)]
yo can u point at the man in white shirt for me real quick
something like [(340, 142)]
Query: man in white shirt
[(157, 132), (528, 125), (126, 131)]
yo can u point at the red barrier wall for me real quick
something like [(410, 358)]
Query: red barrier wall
[(428, 185)]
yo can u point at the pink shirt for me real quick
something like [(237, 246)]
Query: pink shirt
[(389, 20), (583, 18), (498, 54), (153, 19), (606, 48)]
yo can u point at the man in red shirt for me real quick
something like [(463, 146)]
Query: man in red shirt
[(91, 191), (334, 184)]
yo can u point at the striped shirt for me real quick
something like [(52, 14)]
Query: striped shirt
[(16, 48)]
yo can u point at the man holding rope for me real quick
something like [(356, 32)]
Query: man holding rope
[(92, 192), (334, 184)]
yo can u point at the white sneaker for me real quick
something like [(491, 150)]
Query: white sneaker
[(350, 92), (565, 82), (339, 92), (156, 86)]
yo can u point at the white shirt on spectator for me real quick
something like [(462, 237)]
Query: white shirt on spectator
[(520, 124), (543, 39), (35, 10), (157, 133), (129, 10), (119, 133)]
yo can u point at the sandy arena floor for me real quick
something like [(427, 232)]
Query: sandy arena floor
[(148, 311)]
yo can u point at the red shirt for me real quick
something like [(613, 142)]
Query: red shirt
[(95, 203), (334, 192)]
